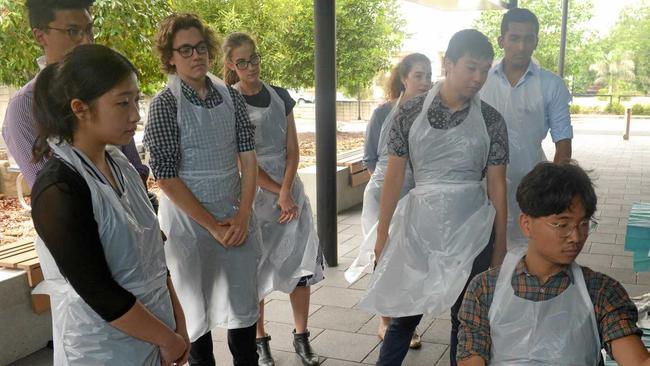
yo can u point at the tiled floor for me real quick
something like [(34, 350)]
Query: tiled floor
[(345, 336)]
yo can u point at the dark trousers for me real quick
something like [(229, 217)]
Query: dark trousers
[(241, 343), (400, 330)]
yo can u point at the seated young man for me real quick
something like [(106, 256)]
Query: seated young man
[(540, 307)]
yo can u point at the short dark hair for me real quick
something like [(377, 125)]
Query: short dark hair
[(550, 188), (173, 23), (85, 73), (519, 15), (42, 12), (469, 42)]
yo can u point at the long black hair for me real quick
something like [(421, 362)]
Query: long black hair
[(85, 73)]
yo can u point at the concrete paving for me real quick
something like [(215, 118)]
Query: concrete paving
[(345, 336)]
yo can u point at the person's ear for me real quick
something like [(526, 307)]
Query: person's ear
[(39, 36), (525, 224), (500, 41), (80, 109)]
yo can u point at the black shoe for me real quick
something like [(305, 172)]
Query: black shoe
[(303, 349), (264, 351)]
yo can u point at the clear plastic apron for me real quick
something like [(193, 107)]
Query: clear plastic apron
[(217, 287), (371, 198), (289, 251), (522, 107), (560, 331), (441, 225), (133, 248)]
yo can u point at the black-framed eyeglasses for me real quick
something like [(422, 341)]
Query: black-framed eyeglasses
[(254, 60), (186, 51), (584, 227), (76, 33)]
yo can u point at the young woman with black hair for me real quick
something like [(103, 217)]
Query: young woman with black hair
[(100, 246)]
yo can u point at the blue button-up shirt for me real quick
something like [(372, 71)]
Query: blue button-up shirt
[(556, 98)]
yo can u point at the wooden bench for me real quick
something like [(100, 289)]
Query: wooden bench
[(353, 159), (22, 255)]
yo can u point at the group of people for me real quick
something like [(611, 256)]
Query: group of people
[(463, 214), (133, 283)]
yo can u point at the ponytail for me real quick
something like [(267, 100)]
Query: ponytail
[(395, 86)]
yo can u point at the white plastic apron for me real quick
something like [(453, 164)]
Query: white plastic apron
[(441, 225), (289, 251), (133, 248), (371, 198), (522, 107), (560, 331), (216, 286)]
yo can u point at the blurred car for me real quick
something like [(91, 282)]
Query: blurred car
[(301, 96)]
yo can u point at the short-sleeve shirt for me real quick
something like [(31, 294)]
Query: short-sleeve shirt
[(616, 314), (557, 117), (373, 130), (162, 133), (440, 117), (263, 99)]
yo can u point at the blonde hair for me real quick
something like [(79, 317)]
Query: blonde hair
[(233, 41)]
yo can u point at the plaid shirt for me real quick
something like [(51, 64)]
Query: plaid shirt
[(616, 314), (162, 134)]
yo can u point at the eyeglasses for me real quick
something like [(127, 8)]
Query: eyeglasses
[(584, 227), (76, 33), (254, 61), (187, 51)]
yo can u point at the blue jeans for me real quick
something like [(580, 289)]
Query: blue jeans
[(400, 330)]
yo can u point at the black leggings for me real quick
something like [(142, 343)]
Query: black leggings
[(241, 343)]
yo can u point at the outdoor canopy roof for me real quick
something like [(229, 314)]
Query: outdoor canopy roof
[(466, 4)]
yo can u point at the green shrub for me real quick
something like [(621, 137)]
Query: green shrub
[(641, 110), (615, 108), (574, 109)]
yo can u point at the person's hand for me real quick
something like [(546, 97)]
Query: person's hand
[(288, 208), (380, 243), (237, 229), (182, 330), (172, 351), (218, 231)]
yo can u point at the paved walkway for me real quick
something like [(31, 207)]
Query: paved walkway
[(344, 335)]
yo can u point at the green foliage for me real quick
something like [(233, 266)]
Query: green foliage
[(580, 51), (127, 26), (615, 108), (369, 32), (574, 109), (630, 36), (640, 109)]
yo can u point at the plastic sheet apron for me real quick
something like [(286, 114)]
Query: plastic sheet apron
[(133, 248), (289, 251), (559, 331), (522, 107), (441, 225), (216, 286), (371, 198)]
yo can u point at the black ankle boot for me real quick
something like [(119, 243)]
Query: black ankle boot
[(303, 349), (264, 351)]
